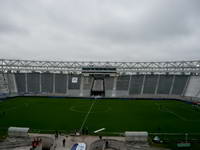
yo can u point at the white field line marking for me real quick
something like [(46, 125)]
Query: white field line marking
[(175, 114), (102, 129), (86, 116)]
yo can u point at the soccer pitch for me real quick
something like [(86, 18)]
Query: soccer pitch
[(67, 114)]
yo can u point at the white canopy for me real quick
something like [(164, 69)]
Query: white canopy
[(18, 132), (136, 136), (131, 133)]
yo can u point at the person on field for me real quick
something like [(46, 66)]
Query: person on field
[(106, 144), (56, 135), (64, 142)]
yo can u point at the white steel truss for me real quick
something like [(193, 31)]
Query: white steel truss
[(121, 67)]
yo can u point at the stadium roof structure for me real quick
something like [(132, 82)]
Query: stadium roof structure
[(11, 65)]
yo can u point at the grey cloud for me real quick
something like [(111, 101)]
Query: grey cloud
[(121, 30), (168, 21), (8, 28)]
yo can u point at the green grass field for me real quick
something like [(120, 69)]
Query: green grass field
[(42, 113)]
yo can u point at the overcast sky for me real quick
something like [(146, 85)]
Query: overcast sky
[(100, 30)]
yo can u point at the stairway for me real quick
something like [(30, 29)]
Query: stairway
[(98, 88)]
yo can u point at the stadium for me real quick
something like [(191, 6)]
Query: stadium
[(99, 75), (97, 99)]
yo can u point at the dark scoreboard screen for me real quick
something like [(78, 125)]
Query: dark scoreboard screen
[(99, 70)]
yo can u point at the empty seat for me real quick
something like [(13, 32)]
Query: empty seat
[(179, 84), (150, 84), (33, 82), (123, 83), (193, 86), (47, 82), (60, 83), (136, 84), (109, 82), (165, 83), (21, 82)]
